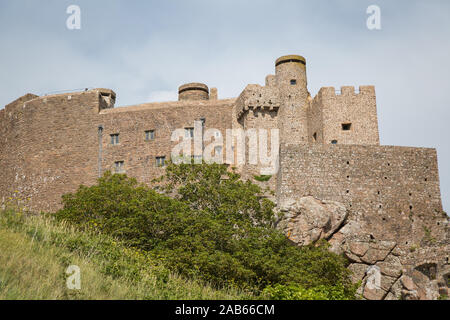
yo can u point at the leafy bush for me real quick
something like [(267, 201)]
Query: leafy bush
[(296, 292), (213, 226), (262, 178)]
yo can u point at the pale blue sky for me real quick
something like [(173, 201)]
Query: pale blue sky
[(145, 49)]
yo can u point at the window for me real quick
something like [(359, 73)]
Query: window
[(189, 132), (160, 161), (119, 167), (346, 126), (293, 82), (315, 136), (115, 138), (218, 150), (149, 135), (196, 159), (334, 142)]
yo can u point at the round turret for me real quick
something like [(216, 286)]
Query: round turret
[(290, 58), (193, 91), (290, 71)]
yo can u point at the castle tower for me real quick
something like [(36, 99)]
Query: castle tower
[(290, 78), (193, 91)]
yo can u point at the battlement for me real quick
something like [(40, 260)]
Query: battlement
[(345, 91), (256, 97)]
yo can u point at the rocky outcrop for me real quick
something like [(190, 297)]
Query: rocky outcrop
[(386, 269), (308, 219)]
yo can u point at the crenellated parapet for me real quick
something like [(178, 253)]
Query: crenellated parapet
[(256, 97), (344, 116)]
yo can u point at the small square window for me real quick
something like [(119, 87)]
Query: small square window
[(149, 135), (334, 142), (115, 139), (218, 150), (293, 82), (189, 132), (197, 159), (119, 167), (346, 126), (160, 161)]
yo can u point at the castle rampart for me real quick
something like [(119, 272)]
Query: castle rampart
[(392, 187)]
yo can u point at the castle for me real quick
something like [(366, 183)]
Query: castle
[(329, 152)]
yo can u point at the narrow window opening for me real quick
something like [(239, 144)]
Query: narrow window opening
[(160, 161), (346, 126), (315, 136), (293, 82), (334, 142), (115, 139), (218, 150), (149, 135), (119, 167), (189, 132)]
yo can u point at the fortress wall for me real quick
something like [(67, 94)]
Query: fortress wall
[(11, 125), (260, 118), (315, 120), (51, 148), (258, 108), (359, 109), (390, 189), (50, 145), (130, 123)]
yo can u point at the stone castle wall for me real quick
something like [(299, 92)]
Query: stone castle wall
[(50, 145), (330, 112), (388, 188)]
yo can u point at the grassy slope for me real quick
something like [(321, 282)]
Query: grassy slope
[(34, 254)]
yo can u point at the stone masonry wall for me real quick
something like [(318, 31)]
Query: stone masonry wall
[(130, 123), (49, 148), (330, 111), (50, 144), (394, 191)]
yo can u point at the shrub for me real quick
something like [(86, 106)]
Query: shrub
[(263, 178), (215, 227), (296, 292)]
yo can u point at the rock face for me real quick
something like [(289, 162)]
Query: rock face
[(387, 269), (308, 219)]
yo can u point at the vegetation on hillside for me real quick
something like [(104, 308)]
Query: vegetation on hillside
[(205, 223), (35, 253)]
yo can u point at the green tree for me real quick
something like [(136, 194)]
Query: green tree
[(205, 222)]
